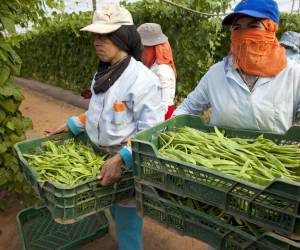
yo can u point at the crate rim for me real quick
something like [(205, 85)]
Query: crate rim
[(199, 118)]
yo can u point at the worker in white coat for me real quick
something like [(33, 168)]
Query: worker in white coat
[(254, 87), (126, 98), (158, 57)]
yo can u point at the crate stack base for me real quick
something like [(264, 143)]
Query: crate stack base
[(68, 205), (38, 230), (276, 206), (202, 226)]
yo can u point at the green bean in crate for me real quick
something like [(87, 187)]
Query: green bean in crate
[(69, 204), (275, 206), (69, 163), (213, 211), (203, 226), (257, 160)]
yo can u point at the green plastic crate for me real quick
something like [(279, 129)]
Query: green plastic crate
[(275, 206), (38, 231), (70, 204), (202, 226)]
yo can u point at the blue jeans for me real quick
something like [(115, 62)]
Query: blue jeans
[(128, 227)]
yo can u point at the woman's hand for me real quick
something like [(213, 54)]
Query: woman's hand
[(111, 171), (61, 129)]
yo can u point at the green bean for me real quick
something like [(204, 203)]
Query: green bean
[(213, 211), (68, 164), (258, 160)]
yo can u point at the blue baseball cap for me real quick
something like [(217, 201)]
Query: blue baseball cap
[(254, 8)]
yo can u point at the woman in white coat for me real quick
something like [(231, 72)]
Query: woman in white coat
[(126, 98), (158, 57), (254, 87)]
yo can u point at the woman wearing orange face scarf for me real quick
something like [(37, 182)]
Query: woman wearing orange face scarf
[(158, 57), (255, 86)]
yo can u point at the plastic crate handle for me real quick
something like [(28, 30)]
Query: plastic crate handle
[(91, 188), (285, 188), (114, 186)]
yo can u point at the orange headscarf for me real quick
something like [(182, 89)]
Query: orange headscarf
[(161, 54), (258, 52)]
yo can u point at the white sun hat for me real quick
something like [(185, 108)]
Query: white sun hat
[(108, 18), (291, 39), (151, 34)]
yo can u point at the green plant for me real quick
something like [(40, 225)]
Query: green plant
[(57, 53), (12, 123), (289, 22)]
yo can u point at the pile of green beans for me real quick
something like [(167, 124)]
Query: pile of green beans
[(69, 163), (257, 160), (214, 211)]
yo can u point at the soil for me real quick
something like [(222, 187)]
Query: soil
[(48, 113)]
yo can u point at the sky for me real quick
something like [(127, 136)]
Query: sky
[(84, 5)]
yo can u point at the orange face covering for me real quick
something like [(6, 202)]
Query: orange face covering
[(258, 52), (161, 54)]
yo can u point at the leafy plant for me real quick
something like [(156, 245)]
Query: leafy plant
[(12, 123), (289, 22), (57, 53)]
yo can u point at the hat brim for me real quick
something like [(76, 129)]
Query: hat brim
[(154, 41), (101, 28), (228, 20)]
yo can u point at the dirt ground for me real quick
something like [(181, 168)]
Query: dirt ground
[(48, 113)]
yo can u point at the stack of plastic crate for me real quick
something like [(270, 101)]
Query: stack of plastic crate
[(274, 207), (71, 215)]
